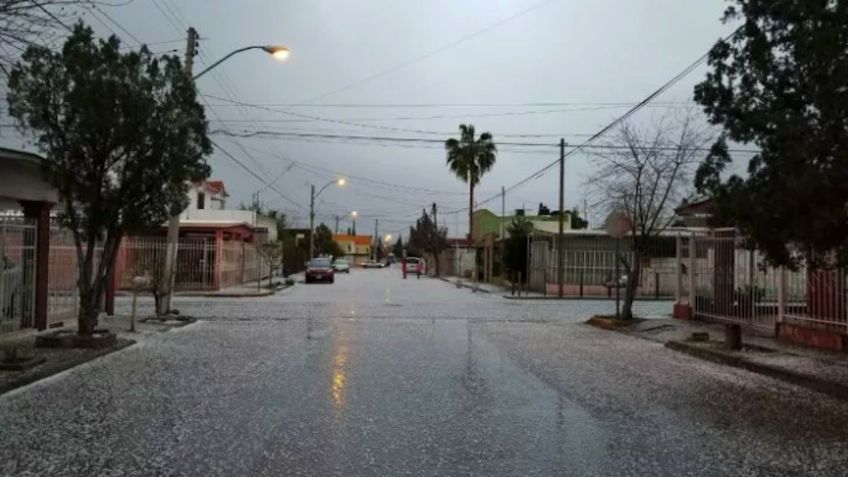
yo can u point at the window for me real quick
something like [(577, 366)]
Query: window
[(201, 201)]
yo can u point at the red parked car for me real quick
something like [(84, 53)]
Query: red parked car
[(320, 270)]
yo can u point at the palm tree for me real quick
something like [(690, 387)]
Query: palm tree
[(469, 159)]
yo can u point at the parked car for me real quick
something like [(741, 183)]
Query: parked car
[(372, 265), (414, 265), (320, 269), (342, 266)]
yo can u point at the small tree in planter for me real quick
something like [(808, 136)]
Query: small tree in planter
[(272, 252), (644, 181), (122, 134)]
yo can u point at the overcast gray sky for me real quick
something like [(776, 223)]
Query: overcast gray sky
[(514, 53)]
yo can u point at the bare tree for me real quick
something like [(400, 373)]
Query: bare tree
[(272, 252), (644, 172), (25, 23)]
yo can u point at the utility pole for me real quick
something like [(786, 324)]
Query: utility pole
[(337, 225), (376, 238), (560, 241), (173, 237), (436, 239), (312, 222)]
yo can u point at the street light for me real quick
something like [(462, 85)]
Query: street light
[(173, 236), (339, 182), (279, 52)]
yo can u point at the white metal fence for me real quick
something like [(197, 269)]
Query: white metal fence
[(202, 263), (63, 273), (734, 283), (17, 273), (589, 266)]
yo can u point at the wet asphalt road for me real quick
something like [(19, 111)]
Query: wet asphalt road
[(376, 376)]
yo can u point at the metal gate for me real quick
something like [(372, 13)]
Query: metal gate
[(17, 273), (733, 283)]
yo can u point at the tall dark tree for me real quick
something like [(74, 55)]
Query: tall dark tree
[(325, 244), (427, 240), (397, 249), (578, 222), (515, 248), (122, 134), (780, 84), (469, 158)]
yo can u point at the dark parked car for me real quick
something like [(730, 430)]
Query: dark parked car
[(320, 270)]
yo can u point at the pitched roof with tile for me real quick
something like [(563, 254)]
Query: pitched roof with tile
[(357, 239)]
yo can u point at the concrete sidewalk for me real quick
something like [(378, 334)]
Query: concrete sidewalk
[(480, 287), (822, 370), (243, 290)]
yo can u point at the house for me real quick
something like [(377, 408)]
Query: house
[(207, 215), (486, 222), (488, 228), (27, 295), (457, 258), (357, 248), (218, 247)]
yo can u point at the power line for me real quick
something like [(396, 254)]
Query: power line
[(440, 141), (478, 115), (430, 53), (442, 133), (167, 17), (257, 176), (616, 121), (94, 6), (52, 16), (355, 137), (337, 173), (466, 105)]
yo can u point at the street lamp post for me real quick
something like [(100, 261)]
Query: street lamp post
[(340, 182), (278, 52), (353, 215)]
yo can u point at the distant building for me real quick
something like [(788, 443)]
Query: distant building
[(487, 223), (218, 247), (207, 215), (357, 248)]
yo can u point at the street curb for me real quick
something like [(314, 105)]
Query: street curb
[(218, 295), (235, 295), (815, 383), (556, 298), (463, 285), (51, 369)]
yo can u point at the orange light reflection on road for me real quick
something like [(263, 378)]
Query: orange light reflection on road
[(337, 387)]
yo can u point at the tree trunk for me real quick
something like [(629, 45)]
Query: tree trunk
[(470, 208), (92, 283), (87, 312), (159, 304), (633, 275)]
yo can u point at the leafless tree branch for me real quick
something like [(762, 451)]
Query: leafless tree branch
[(648, 178)]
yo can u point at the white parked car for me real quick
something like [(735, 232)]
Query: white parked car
[(341, 265)]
